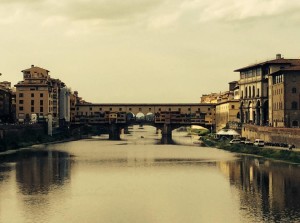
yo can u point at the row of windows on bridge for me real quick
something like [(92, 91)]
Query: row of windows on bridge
[(140, 109)]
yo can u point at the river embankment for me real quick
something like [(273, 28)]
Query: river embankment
[(282, 154), (16, 137)]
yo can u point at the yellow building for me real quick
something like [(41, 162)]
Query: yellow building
[(227, 113), (37, 94)]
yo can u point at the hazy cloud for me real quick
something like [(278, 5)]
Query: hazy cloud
[(164, 12)]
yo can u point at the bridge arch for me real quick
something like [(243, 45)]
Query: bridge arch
[(140, 116)]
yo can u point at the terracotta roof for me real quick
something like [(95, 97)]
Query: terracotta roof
[(288, 69), (35, 68), (276, 61)]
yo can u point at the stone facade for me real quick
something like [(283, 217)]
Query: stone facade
[(227, 112), (285, 88), (255, 93)]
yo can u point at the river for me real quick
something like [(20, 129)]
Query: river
[(140, 179)]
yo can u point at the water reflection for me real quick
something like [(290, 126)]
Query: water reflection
[(4, 171), (269, 191), (38, 171), (140, 180)]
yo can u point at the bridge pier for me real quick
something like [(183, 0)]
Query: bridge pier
[(167, 130), (166, 139), (114, 132), (126, 130)]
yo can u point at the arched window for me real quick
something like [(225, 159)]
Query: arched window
[(253, 91), (257, 92), (250, 92), (294, 105), (294, 90), (246, 92)]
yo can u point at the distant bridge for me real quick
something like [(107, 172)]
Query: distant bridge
[(165, 117)]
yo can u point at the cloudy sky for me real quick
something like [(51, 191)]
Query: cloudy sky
[(145, 50)]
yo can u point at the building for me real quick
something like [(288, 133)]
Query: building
[(6, 108), (38, 94), (209, 98), (285, 97), (215, 98), (64, 106), (228, 114), (227, 110), (254, 91)]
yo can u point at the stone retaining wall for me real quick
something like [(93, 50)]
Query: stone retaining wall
[(271, 134)]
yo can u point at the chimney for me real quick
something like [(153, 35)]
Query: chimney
[(32, 65), (278, 56)]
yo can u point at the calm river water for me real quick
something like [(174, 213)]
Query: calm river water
[(139, 179)]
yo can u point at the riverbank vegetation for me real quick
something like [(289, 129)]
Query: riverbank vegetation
[(271, 153), (31, 136)]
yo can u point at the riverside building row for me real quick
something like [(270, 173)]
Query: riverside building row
[(37, 98), (266, 94)]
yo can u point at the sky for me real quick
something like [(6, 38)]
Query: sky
[(145, 51)]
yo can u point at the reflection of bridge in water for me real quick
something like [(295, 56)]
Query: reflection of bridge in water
[(165, 117)]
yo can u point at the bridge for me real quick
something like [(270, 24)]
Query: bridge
[(165, 117)]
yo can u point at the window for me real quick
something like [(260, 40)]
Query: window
[(294, 90), (120, 109), (41, 95), (21, 102), (21, 95), (32, 95), (41, 109), (232, 106), (21, 108), (249, 92), (41, 102), (294, 105), (170, 109), (32, 109), (295, 124), (32, 102)]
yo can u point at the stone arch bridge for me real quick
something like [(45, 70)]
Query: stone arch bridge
[(165, 117)]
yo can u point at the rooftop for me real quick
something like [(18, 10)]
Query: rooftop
[(278, 60)]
